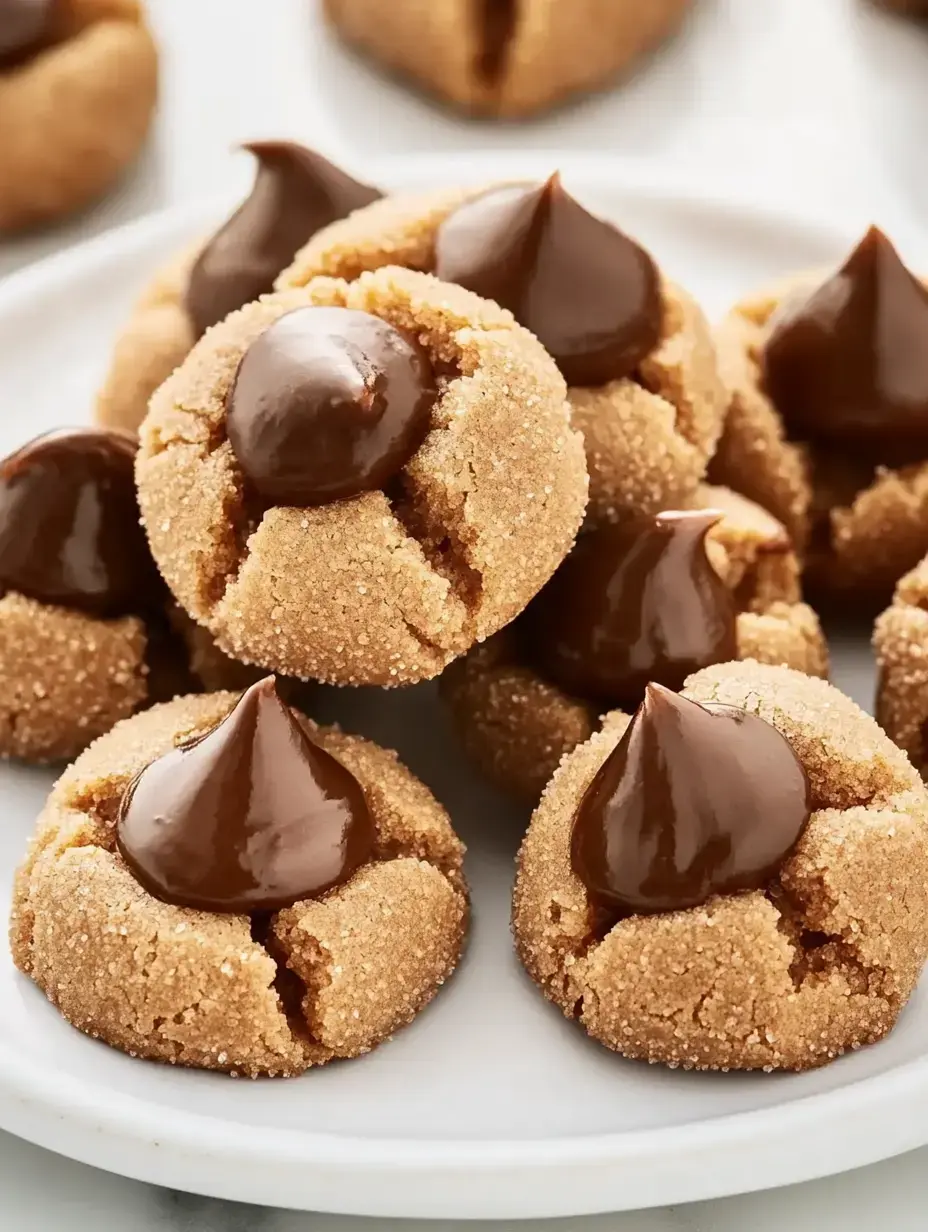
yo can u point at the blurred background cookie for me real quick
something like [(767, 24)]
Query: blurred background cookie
[(78, 85)]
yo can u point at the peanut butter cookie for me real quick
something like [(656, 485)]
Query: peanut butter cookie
[(503, 58), (354, 482), (296, 191), (635, 349), (651, 600), (900, 641), (828, 422), (736, 878), (78, 84), (219, 883)]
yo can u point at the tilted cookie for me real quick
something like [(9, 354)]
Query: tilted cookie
[(828, 423), (354, 482), (651, 600), (736, 878), (296, 191), (499, 57), (78, 83), (220, 883), (88, 633), (635, 349)]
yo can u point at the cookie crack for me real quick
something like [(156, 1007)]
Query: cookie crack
[(292, 991), (496, 22)]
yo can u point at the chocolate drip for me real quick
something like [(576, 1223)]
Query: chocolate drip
[(296, 193), (693, 801), (590, 294), (631, 604), (253, 816), (328, 403), (849, 362)]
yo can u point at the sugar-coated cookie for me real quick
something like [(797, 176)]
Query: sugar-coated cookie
[(900, 642)]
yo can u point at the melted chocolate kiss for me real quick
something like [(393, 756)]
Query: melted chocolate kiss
[(23, 26), (296, 193), (634, 603), (253, 816), (69, 524), (849, 363), (693, 801), (328, 403), (589, 293)]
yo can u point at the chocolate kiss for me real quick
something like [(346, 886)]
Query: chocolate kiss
[(69, 524), (253, 816), (296, 193), (693, 801), (590, 294), (634, 603), (849, 363)]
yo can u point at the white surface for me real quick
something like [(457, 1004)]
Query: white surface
[(819, 105), (491, 1105)]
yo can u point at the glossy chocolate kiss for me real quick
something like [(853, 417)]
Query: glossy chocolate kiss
[(328, 403), (849, 363), (693, 801), (69, 524), (634, 603), (23, 25), (296, 193), (253, 816), (589, 293)]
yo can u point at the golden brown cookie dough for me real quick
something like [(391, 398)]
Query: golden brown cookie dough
[(648, 437), (75, 110), (382, 588), (497, 57), (517, 726), (900, 641), (857, 527), (332, 977), (822, 962)]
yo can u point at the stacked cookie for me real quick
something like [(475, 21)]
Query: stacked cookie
[(469, 434)]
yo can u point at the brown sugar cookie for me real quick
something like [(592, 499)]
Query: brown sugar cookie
[(634, 348), (900, 641), (416, 491), (296, 191), (304, 902), (651, 600), (501, 58), (798, 937), (826, 427), (88, 634), (78, 84)]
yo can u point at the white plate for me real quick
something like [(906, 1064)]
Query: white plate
[(491, 1104)]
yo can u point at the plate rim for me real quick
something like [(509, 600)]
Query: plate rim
[(57, 1109)]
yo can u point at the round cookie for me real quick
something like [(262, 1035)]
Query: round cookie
[(389, 585), (78, 85), (819, 960), (87, 631), (900, 639), (500, 58), (257, 992), (516, 721), (850, 484), (652, 410), (296, 191)]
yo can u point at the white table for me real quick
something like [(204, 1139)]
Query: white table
[(815, 104)]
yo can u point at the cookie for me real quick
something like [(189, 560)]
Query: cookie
[(88, 634), (305, 901), (829, 382), (78, 85), (498, 58), (654, 599), (354, 482), (776, 916), (296, 191), (900, 642), (634, 348)]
